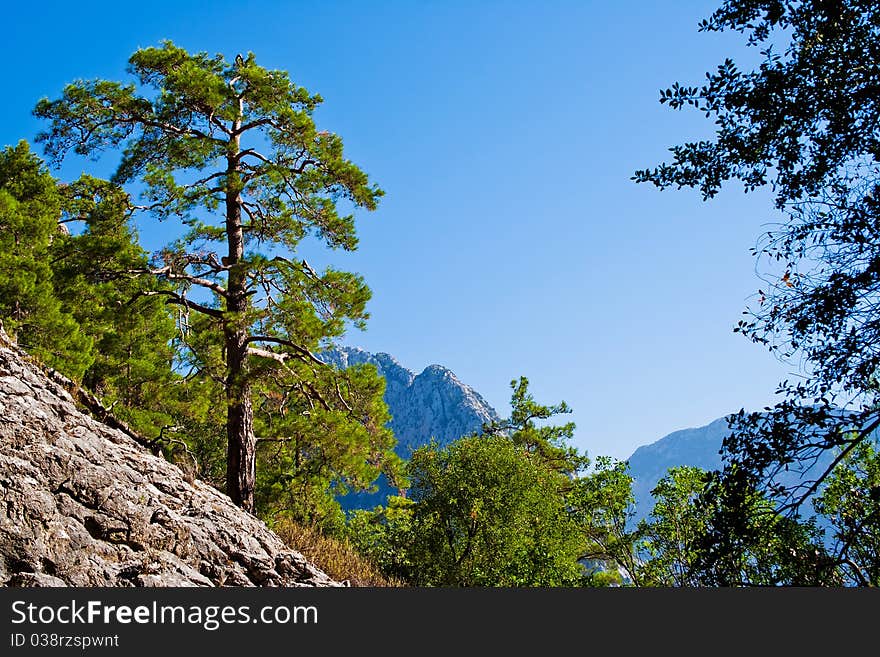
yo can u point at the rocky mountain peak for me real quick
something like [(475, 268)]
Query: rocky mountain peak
[(433, 404)]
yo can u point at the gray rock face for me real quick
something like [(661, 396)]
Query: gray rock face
[(83, 504)]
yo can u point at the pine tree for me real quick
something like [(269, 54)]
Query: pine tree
[(232, 151), (310, 454), (30, 209)]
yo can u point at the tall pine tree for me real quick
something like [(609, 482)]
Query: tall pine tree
[(232, 152)]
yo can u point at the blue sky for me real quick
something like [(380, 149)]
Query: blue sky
[(511, 240)]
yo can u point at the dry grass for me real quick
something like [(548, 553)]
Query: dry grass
[(335, 557)]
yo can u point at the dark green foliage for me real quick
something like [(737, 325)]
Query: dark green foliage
[(668, 540), (748, 542), (385, 536), (68, 295), (602, 505), (486, 514), (69, 298), (488, 510), (309, 454), (30, 209), (549, 443), (805, 122), (704, 532), (133, 334)]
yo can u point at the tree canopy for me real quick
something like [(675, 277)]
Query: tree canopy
[(512, 506)]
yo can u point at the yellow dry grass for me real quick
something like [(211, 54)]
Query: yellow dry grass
[(335, 557)]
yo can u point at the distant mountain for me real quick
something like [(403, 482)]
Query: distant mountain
[(434, 404), (698, 447)]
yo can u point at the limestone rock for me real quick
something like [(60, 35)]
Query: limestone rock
[(83, 504)]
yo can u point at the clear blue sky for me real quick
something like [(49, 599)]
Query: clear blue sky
[(511, 240)]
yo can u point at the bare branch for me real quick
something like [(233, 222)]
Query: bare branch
[(147, 208), (279, 258), (177, 300), (253, 215), (254, 124), (311, 271), (287, 343), (341, 398), (169, 127), (268, 353), (254, 153), (202, 181), (209, 260), (218, 123), (852, 444), (167, 272)]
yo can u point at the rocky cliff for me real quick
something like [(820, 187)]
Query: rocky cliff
[(83, 504)]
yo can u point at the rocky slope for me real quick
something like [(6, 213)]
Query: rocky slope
[(83, 504), (433, 404)]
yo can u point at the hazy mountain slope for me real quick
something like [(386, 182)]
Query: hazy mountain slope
[(698, 447)]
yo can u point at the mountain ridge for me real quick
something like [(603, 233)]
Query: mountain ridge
[(435, 403), (460, 411), (701, 447)]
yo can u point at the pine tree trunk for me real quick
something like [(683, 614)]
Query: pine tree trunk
[(241, 441)]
